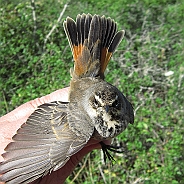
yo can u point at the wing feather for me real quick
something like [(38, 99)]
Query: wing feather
[(44, 143)]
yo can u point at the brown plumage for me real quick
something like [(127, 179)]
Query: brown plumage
[(96, 109)]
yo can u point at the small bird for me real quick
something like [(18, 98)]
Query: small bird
[(96, 109)]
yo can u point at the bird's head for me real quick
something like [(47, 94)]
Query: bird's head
[(107, 109)]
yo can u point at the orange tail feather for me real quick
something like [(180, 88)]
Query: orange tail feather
[(93, 39)]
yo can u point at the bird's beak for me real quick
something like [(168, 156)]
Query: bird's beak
[(106, 108)]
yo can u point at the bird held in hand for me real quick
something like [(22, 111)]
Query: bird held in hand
[(96, 109)]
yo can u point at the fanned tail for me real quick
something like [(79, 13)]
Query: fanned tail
[(92, 39)]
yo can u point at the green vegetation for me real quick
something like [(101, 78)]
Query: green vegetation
[(32, 65)]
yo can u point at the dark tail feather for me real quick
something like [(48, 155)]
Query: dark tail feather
[(93, 39)]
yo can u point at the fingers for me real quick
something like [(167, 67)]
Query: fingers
[(93, 142), (11, 122), (59, 95), (28, 108), (91, 145)]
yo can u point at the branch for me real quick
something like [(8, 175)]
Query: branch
[(54, 26), (34, 14), (34, 19)]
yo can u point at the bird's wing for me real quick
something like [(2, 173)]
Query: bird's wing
[(44, 143)]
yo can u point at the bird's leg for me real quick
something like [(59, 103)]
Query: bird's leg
[(107, 148)]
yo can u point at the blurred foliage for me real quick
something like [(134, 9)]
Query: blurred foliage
[(33, 65)]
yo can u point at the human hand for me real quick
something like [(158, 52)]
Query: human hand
[(12, 121)]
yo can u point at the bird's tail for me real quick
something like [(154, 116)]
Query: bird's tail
[(92, 39)]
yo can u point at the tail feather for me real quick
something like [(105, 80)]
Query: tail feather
[(93, 39), (107, 53), (87, 26), (116, 40), (94, 32), (110, 32)]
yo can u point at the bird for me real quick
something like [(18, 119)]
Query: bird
[(95, 109)]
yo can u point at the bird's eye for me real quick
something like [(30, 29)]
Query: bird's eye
[(115, 103), (98, 94), (95, 103)]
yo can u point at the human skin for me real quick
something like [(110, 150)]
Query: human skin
[(12, 121)]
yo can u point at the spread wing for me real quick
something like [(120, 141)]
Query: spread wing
[(44, 143)]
